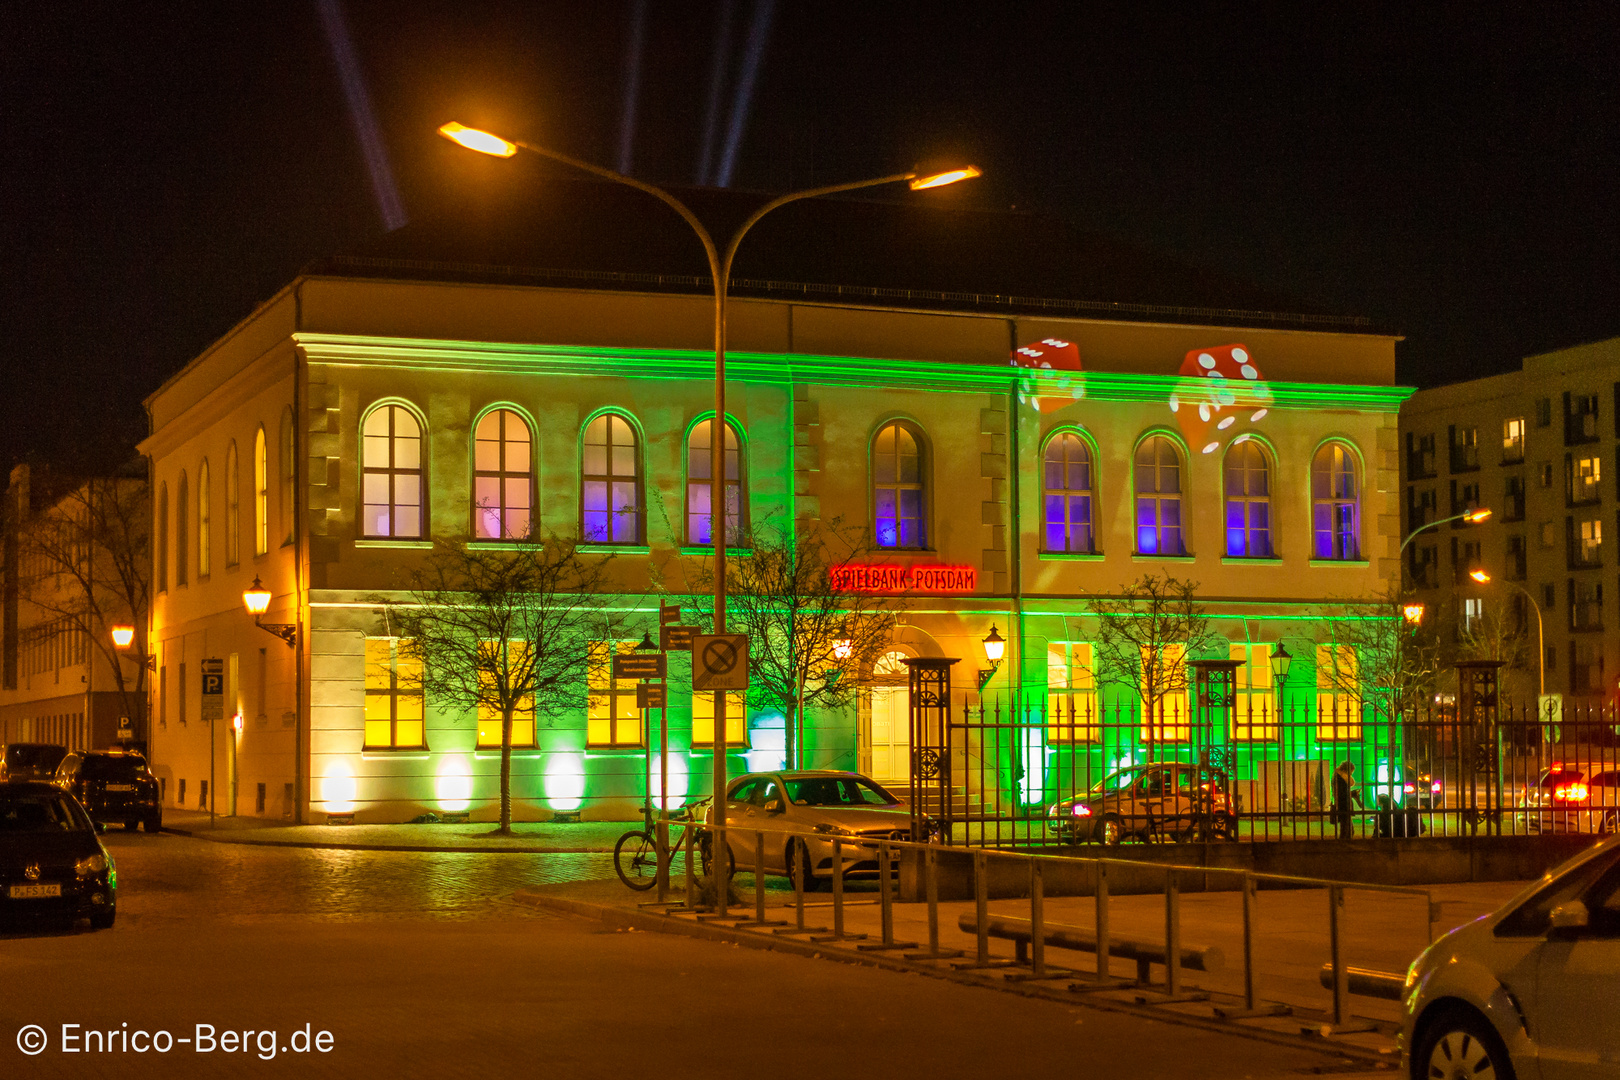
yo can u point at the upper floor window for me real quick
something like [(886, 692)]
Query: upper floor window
[(503, 487), (1419, 456), (391, 466), (233, 508), (1585, 476), (1513, 440), (700, 485), (898, 492), (163, 538), (261, 494), (610, 491), (1158, 498), (1335, 504), (181, 531), (1464, 448), (1543, 412), (1513, 499), (1248, 501), (205, 526), (396, 707), (1068, 494), (289, 475), (1580, 418)]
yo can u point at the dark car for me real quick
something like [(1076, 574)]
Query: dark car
[(30, 760), (113, 786), (51, 860), (1162, 799)]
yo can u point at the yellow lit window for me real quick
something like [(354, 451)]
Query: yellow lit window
[(611, 716), (1170, 720), (395, 703), (1338, 700), (703, 718), (1254, 712), (1071, 693), (489, 718)]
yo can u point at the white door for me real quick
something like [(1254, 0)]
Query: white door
[(891, 721)]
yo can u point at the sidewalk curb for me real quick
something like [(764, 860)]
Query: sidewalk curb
[(617, 918), (198, 834)]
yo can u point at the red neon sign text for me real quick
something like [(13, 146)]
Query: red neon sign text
[(872, 577)]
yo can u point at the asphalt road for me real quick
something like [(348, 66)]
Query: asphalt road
[(416, 965)]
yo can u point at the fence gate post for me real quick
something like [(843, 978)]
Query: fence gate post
[(1248, 942), (1102, 920), (1341, 977), (930, 723), (931, 888)]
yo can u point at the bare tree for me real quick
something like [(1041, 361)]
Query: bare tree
[(808, 637), (1397, 660), (504, 631), (1143, 637), (1498, 632), (85, 561)]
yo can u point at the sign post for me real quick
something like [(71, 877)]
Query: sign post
[(211, 713)]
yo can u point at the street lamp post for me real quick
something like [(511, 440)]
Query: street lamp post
[(720, 271), (1473, 517), (1541, 640)]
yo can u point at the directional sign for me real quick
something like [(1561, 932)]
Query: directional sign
[(668, 613), (673, 638), (720, 662), (213, 691), (650, 695), (638, 665)]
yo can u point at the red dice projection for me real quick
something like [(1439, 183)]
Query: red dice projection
[(1053, 354), (1231, 396)]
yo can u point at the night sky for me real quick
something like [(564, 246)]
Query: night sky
[(1447, 169)]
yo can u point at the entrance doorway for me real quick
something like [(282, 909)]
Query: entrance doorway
[(890, 746)]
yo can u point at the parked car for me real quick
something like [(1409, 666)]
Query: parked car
[(1531, 990), (1161, 799), (52, 863), (801, 812), (1421, 791), (30, 761), (1570, 799), (113, 786)]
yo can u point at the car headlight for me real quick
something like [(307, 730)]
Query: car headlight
[(91, 864), (834, 830), (1081, 810)]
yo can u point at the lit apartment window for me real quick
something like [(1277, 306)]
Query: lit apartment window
[(700, 485), (1591, 541), (1585, 477), (899, 494), (489, 717), (1071, 693), (1473, 611), (1158, 498), (1067, 478), (1335, 504), (391, 458), (612, 718), (736, 718), (1513, 440), (1248, 501), (610, 492), (395, 703), (502, 483)]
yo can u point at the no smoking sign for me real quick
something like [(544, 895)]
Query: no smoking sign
[(720, 662)]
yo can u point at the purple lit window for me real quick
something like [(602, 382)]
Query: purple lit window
[(610, 495), (1068, 495), (502, 498), (897, 495), (1248, 501), (700, 486), (1335, 504), (391, 473), (1158, 498)]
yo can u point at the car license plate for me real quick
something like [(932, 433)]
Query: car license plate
[(120, 787), (34, 892)]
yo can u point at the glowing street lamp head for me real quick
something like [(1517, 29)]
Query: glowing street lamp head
[(123, 636), (843, 649), (482, 141), (1474, 517), (1413, 613), (940, 179), (995, 646), (1480, 576), (256, 598)]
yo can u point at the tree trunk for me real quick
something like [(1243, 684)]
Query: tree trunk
[(506, 771), (788, 742)]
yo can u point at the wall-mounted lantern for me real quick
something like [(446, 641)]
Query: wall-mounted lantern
[(256, 598)]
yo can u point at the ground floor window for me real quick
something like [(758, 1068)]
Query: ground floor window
[(489, 717), (736, 718), (1167, 716), (1071, 693), (1254, 708), (395, 704), (1338, 693), (612, 718)]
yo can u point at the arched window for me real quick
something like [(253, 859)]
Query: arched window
[(1335, 504), (899, 494), (233, 508), (391, 484), (181, 555), (289, 476), (700, 486), (610, 482), (1158, 498), (502, 482), (1068, 494), (205, 538), (1248, 501), (261, 494), (163, 538)]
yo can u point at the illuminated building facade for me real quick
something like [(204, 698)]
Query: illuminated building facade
[(365, 412)]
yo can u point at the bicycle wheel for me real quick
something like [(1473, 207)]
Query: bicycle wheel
[(635, 857)]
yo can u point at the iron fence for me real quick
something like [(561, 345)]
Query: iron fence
[(1067, 771)]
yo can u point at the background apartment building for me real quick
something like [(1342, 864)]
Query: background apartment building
[(1536, 448)]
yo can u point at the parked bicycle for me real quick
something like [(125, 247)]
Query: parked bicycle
[(636, 857)]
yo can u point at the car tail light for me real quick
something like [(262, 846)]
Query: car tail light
[(1435, 787), (1081, 810), (1408, 788), (1573, 792)]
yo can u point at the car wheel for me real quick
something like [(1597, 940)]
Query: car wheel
[(1461, 1046), (103, 920), (708, 851), (1109, 831), (798, 861)]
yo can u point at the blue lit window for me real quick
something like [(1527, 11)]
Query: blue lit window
[(610, 482), (700, 488), (1248, 501), (1068, 495), (898, 491), (1335, 504), (1158, 498)]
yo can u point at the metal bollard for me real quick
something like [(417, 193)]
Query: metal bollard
[(838, 888), (1037, 919), (719, 861), (981, 902), (1102, 920), (1248, 942), (759, 877), (1341, 987), (1172, 933), (931, 887), (663, 861), (884, 900), (691, 879), (796, 851)]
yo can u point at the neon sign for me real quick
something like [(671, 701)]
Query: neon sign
[(875, 577)]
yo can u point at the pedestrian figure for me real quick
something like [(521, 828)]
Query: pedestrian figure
[(1344, 789)]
